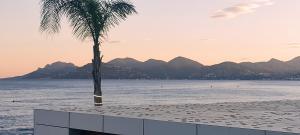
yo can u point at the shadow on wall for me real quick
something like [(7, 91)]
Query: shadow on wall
[(83, 132)]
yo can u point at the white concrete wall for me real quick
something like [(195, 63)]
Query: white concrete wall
[(212, 130), (152, 127), (47, 130), (51, 118), (58, 123), (123, 126), (89, 122), (242, 131), (279, 133)]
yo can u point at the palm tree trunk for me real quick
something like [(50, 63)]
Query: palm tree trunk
[(97, 62)]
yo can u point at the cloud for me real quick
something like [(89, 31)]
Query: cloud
[(241, 8), (293, 45), (265, 2), (114, 42)]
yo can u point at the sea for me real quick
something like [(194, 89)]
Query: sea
[(18, 98)]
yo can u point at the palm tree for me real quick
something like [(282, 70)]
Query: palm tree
[(89, 19)]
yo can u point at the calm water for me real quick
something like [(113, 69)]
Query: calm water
[(16, 117)]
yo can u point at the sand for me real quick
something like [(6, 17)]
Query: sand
[(283, 116)]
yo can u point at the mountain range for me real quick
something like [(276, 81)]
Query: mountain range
[(177, 68)]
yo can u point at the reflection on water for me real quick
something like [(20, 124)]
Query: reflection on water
[(19, 98)]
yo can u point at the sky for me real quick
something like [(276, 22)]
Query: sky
[(208, 31)]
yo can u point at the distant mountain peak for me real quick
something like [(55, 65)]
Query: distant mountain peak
[(59, 65), (127, 59), (180, 58), (181, 62), (54, 70), (295, 60), (154, 61), (124, 62), (229, 62), (273, 60)]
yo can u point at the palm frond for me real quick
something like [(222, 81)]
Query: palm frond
[(116, 11), (89, 18), (50, 15), (77, 14)]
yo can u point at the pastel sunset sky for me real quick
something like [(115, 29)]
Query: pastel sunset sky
[(208, 31)]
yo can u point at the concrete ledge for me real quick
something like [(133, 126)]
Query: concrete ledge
[(153, 127), (242, 131), (279, 133), (218, 130), (89, 122), (47, 130), (212, 130), (51, 118), (123, 126)]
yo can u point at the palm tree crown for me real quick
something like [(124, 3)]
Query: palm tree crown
[(89, 18)]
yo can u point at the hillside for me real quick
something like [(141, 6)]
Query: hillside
[(177, 68)]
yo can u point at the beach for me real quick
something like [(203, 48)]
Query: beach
[(17, 117), (281, 116)]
